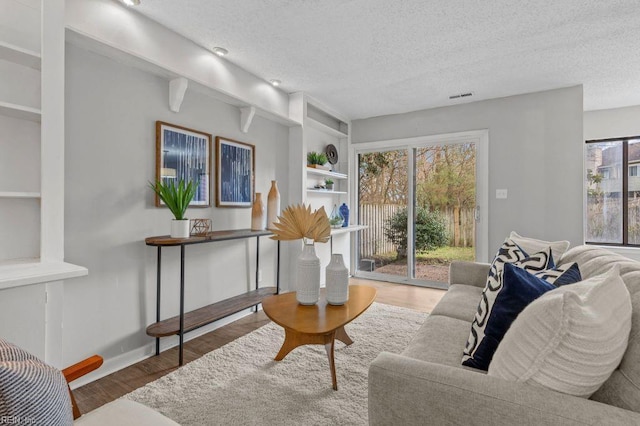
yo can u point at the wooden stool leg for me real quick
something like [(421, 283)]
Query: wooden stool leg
[(342, 335), (329, 346)]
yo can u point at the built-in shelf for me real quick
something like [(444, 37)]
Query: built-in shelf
[(346, 229), (326, 122), (20, 111), (18, 194), (324, 191), (327, 173), (21, 272), (18, 55)]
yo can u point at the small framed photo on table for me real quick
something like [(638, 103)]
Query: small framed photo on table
[(235, 166), (184, 154)]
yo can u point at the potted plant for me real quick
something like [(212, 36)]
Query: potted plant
[(177, 199), (329, 184), (317, 160)]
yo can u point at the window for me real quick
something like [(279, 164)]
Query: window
[(613, 197)]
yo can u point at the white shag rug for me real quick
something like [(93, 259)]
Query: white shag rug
[(241, 384)]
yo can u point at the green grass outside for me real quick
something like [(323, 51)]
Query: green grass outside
[(439, 256), (447, 254)]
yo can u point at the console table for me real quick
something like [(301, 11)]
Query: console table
[(190, 321)]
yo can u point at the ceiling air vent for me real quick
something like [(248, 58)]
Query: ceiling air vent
[(461, 95)]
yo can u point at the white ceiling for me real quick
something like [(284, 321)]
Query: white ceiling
[(367, 58)]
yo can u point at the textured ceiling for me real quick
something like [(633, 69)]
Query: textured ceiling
[(367, 58)]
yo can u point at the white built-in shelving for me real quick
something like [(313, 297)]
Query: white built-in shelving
[(325, 191), (19, 55), (17, 194), (31, 207), (326, 173)]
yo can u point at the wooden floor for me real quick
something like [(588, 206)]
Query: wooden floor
[(113, 386)]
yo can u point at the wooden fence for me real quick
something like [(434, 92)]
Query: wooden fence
[(374, 242)]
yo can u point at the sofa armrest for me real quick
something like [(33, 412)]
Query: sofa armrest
[(407, 391), (470, 273)]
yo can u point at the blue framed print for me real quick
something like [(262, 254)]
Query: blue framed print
[(235, 166), (184, 154)]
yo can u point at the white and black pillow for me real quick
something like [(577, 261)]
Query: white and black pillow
[(568, 273), (478, 352), (32, 392)]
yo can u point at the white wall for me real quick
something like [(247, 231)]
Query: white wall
[(535, 151), (111, 111), (612, 123)]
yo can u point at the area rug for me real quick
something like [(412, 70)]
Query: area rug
[(241, 384)]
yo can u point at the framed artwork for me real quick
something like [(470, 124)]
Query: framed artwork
[(184, 154), (235, 165)]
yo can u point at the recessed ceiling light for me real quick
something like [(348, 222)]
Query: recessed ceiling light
[(275, 83), (220, 51), (131, 2)]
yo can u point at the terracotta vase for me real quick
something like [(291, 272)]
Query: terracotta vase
[(258, 214), (273, 205), (308, 276)]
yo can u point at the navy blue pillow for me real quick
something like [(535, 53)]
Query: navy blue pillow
[(519, 288)]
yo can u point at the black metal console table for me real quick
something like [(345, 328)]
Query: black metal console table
[(190, 321)]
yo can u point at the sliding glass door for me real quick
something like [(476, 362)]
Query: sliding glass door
[(419, 204)]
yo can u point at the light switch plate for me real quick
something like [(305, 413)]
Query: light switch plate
[(501, 194)]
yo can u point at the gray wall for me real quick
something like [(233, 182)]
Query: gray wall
[(111, 111), (535, 151)]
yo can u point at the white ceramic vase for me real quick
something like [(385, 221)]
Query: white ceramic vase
[(180, 228), (308, 276), (273, 205), (337, 281), (257, 214)]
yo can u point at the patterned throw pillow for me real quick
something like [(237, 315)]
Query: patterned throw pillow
[(478, 351), (568, 273), (31, 392)]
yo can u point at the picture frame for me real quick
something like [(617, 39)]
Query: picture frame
[(183, 153), (235, 171)]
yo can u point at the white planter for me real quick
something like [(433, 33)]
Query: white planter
[(180, 228), (308, 276), (337, 281)]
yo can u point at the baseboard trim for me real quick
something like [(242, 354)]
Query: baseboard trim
[(117, 363)]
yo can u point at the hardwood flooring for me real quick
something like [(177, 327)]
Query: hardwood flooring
[(113, 386)]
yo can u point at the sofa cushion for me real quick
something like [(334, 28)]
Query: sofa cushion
[(531, 245), (460, 301), (478, 351), (439, 340), (569, 340), (623, 387), (31, 392), (123, 412)]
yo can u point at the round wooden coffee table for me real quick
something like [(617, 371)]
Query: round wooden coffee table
[(318, 324)]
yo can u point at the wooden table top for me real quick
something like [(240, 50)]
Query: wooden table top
[(321, 318)]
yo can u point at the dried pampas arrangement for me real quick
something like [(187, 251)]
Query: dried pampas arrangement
[(297, 221)]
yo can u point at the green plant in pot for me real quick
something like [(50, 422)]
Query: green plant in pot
[(316, 158), (329, 184), (177, 199)]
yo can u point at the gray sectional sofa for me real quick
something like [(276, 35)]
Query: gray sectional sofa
[(426, 384)]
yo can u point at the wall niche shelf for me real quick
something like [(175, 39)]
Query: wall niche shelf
[(324, 191), (20, 56), (20, 111), (18, 194), (327, 173)]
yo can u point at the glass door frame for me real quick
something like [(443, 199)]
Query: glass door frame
[(481, 140)]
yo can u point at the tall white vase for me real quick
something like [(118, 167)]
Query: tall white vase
[(257, 214), (337, 281), (273, 205), (308, 276)]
